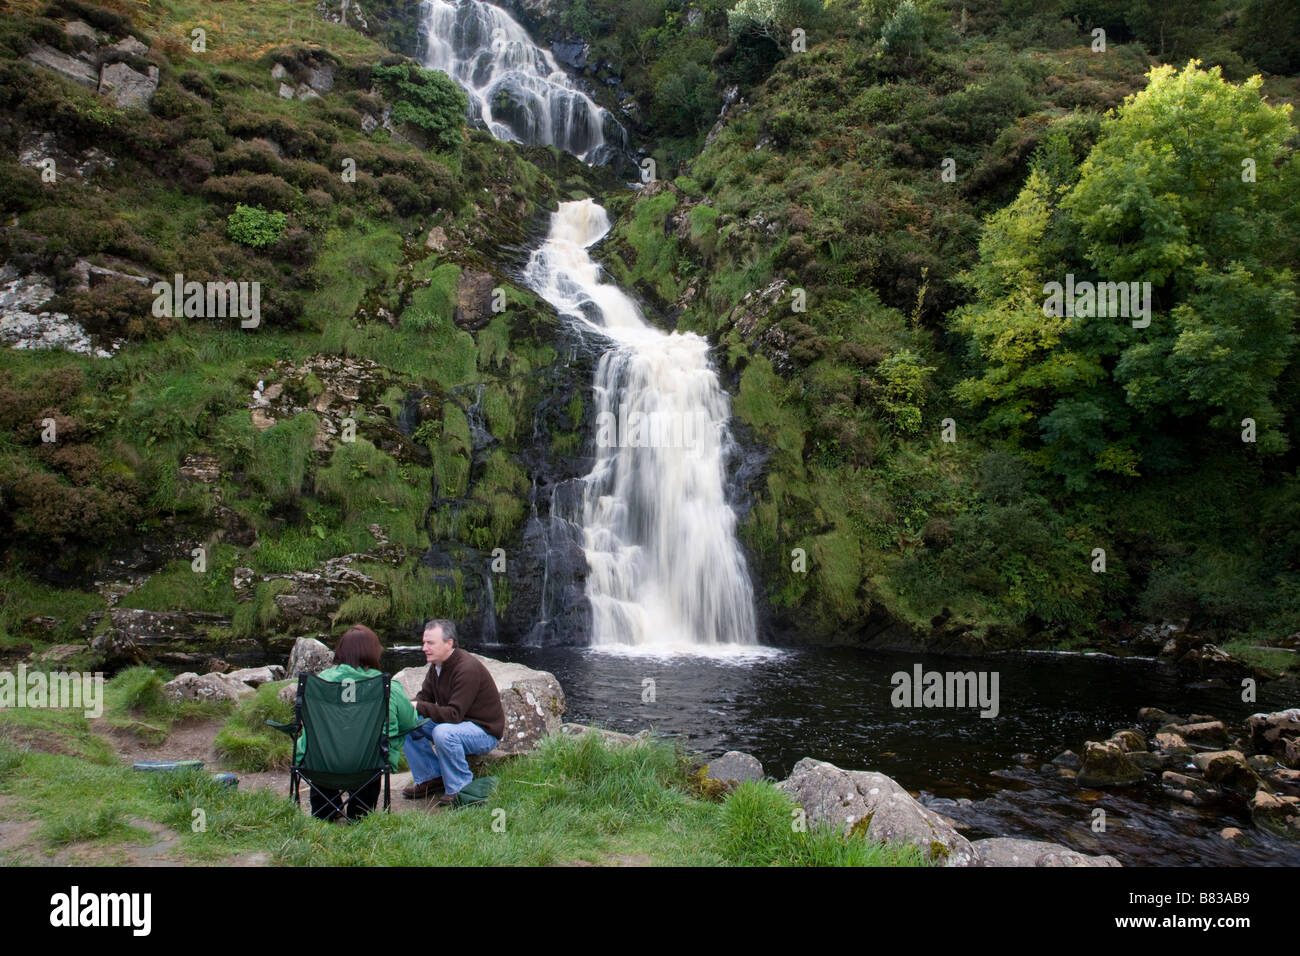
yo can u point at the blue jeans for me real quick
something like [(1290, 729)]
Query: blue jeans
[(446, 754)]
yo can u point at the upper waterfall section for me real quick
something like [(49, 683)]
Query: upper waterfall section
[(515, 88)]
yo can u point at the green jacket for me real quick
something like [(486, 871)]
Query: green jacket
[(402, 718)]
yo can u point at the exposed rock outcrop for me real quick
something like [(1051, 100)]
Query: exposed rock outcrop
[(872, 804)]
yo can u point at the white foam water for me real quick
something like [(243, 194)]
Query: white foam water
[(666, 574), (516, 88)]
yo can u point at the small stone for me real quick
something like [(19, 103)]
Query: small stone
[(1107, 765), (734, 767)]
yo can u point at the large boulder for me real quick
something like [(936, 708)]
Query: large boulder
[(127, 88), (1107, 765), (533, 701), (309, 656), (191, 686), (69, 67), (871, 804), (1008, 851)]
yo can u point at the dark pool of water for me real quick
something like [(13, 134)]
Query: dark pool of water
[(835, 705)]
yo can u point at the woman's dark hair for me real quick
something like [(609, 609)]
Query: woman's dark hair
[(359, 647)]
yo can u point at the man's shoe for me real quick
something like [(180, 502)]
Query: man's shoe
[(447, 800), (417, 791)]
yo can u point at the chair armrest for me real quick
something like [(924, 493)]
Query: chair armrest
[(290, 728)]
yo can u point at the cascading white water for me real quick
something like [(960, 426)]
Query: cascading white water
[(514, 87), (665, 570)]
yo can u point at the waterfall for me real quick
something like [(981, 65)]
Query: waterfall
[(665, 570), (516, 89)]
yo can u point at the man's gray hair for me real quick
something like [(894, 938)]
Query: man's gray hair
[(448, 628)]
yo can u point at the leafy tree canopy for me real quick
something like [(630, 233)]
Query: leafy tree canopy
[(1191, 189)]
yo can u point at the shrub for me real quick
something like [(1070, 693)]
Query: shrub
[(250, 189), (255, 226), (427, 99)]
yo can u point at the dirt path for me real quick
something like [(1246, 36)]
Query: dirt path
[(188, 740), (194, 740)]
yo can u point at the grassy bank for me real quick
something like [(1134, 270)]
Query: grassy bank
[(575, 800)]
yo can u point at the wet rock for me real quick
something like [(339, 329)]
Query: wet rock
[(1009, 851), (1188, 789), (1068, 759), (874, 805), (533, 701), (733, 767), (1209, 733), (1150, 761), (309, 656), (1279, 816), (1232, 834), (1282, 780), (1130, 741), (571, 52), (1171, 743), (1228, 768), (1277, 734), (731, 98), (257, 676), (1161, 717), (190, 686), (1107, 765)]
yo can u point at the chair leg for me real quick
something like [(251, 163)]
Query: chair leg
[(388, 800)]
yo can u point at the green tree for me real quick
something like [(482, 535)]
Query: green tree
[(1166, 197), (774, 20)]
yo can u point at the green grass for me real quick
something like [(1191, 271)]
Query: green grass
[(23, 597), (246, 743), (574, 799), (1274, 660), (134, 700)]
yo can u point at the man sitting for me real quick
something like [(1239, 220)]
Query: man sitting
[(464, 712)]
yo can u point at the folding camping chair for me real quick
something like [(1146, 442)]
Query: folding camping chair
[(347, 739)]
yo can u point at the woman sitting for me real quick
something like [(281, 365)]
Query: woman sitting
[(357, 658)]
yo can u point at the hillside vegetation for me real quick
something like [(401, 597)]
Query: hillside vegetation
[(866, 237)]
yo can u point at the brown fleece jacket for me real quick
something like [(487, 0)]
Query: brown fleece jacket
[(463, 691)]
